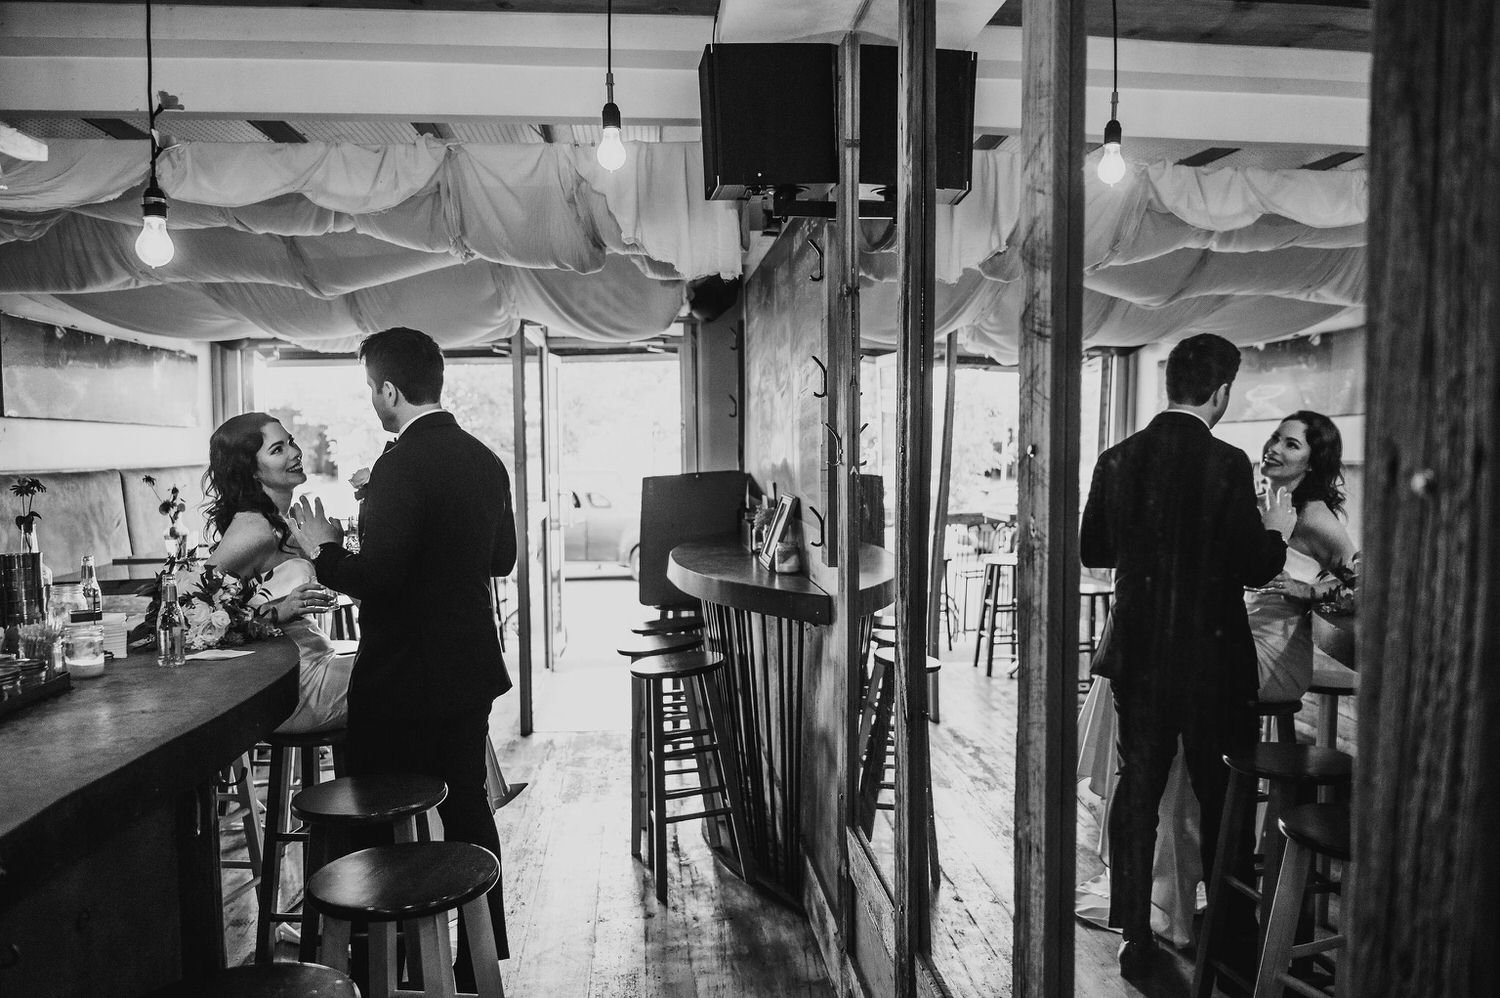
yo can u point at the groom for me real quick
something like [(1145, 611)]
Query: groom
[(437, 525), (1172, 510)]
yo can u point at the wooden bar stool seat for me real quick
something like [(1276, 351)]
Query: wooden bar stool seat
[(1278, 716), (267, 980), (670, 625), (417, 883), (1312, 831), (289, 753), (1289, 770), (658, 737), (646, 645)]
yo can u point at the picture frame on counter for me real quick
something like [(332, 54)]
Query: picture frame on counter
[(786, 505)]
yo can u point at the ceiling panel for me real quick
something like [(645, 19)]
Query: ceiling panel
[(1342, 25), (495, 131), (55, 128), (365, 131)]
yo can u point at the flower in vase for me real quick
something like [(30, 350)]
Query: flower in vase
[(27, 489)]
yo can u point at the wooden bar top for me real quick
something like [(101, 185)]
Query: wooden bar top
[(75, 766), (1334, 634), (723, 572)]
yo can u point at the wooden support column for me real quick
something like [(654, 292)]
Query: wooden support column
[(1427, 787), (522, 503), (844, 520), (1047, 575), (916, 202), (938, 568)]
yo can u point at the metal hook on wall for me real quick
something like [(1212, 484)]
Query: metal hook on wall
[(739, 331), (818, 250), (862, 428), (824, 368), (734, 406), (822, 529), (838, 443)]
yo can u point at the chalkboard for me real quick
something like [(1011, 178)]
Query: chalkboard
[(680, 508), (49, 372)]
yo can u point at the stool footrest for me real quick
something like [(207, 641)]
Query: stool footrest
[(716, 788), (709, 813), (697, 749)]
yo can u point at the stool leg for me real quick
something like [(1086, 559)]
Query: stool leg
[(1237, 801), (637, 764), (481, 936), (658, 804), (437, 956), (706, 767), (333, 951), (278, 796), (382, 959), (1281, 923), (984, 604), (1286, 729), (932, 697), (1328, 720)]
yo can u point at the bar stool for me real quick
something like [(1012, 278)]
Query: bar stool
[(417, 883), (1312, 831), (646, 645), (706, 741), (1277, 717), (670, 625), (240, 806), (266, 980), (1287, 769), (332, 812), (999, 597), (1330, 684), (287, 751), (875, 732)]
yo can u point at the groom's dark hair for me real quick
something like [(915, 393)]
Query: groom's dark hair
[(1198, 365), (408, 359)]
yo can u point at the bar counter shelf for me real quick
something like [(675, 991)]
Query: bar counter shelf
[(767, 625), (108, 832)]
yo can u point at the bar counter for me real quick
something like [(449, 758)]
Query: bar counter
[(767, 625), (109, 875)]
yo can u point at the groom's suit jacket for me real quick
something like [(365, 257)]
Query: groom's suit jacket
[(437, 523), (1172, 510)]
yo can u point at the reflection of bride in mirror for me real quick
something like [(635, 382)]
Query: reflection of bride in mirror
[(1302, 458)]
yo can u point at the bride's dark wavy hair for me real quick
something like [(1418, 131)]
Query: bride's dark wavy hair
[(1325, 462), (230, 484)]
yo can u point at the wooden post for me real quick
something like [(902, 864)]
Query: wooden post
[(523, 524), (1047, 571), (916, 202), (938, 570), (843, 400), (1427, 789)]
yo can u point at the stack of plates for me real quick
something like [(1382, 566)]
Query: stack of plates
[(114, 634)]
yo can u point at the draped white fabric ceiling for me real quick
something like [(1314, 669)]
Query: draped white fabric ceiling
[(318, 244)]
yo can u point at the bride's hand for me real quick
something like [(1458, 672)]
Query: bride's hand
[(310, 597), (1285, 585)]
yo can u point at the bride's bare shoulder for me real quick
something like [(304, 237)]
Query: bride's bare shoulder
[(247, 543)]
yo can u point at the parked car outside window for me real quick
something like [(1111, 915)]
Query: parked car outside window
[(602, 520)]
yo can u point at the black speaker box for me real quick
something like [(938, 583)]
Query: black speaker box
[(768, 117), (769, 114)]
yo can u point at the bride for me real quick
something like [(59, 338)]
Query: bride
[(1303, 459), (253, 467)]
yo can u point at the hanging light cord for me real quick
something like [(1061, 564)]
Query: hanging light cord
[(609, 50), (151, 110), (1114, 96)]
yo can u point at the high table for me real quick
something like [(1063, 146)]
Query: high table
[(109, 844), (760, 621)]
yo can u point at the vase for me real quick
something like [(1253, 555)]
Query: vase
[(29, 542)]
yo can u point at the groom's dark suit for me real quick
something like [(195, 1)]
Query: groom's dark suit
[(1172, 510), (436, 525)]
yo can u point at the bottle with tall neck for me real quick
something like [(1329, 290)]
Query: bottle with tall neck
[(88, 582), (171, 627)]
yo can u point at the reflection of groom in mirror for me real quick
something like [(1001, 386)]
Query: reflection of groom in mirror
[(1172, 510), (436, 525)]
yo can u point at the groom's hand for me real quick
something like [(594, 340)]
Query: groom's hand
[(311, 527), (1279, 514)]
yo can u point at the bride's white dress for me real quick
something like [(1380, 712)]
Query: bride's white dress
[(323, 673), (1282, 631)]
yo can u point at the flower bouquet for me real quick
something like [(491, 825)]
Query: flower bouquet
[(1344, 599), (216, 606), (27, 489)]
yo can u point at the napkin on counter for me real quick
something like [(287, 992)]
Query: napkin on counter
[(212, 654)]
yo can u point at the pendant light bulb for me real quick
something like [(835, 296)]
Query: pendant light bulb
[(154, 244), (1112, 162), (611, 150)]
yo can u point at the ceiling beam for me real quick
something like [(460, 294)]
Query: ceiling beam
[(88, 60)]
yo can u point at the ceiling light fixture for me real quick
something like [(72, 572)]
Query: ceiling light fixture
[(611, 151), (1112, 163), (154, 244)]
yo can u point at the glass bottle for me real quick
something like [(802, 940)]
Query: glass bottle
[(88, 582), (171, 628)]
